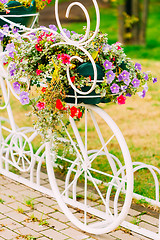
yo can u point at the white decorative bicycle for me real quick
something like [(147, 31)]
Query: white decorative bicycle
[(97, 175)]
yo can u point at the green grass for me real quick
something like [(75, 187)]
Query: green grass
[(110, 26)]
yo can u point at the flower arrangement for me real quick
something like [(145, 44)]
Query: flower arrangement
[(37, 65), (7, 5)]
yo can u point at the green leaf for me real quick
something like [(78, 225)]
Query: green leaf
[(94, 54)]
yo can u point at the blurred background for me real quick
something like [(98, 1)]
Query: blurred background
[(135, 23)]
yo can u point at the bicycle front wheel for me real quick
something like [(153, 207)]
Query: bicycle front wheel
[(97, 172)]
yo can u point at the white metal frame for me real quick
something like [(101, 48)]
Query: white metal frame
[(13, 151)]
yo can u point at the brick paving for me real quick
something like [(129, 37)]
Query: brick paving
[(43, 219)]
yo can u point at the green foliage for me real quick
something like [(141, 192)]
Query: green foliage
[(29, 202)]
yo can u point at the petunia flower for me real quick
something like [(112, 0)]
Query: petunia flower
[(136, 83), (121, 100), (24, 99), (16, 87), (107, 65), (110, 76), (138, 66), (154, 80), (114, 88)]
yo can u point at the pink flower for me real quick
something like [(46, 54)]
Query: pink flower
[(38, 72), (64, 57), (118, 48), (58, 56), (121, 99), (40, 105)]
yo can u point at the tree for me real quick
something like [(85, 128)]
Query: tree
[(132, 20)]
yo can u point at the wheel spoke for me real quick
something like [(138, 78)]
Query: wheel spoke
[(112, 164), (104, 202), (26, 159), (85, 198)]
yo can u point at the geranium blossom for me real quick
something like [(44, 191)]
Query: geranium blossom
[(38, 72), (40, 105), (59, 104)]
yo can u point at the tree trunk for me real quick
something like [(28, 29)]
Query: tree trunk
[(134, 32), (121, 27), (142, 33), (135, 27)]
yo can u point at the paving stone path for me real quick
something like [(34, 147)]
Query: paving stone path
[(29, 214)]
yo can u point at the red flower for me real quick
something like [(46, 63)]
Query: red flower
[(59, 104), (118, 48), (79, 113), (73, 79), (41, 105), (38, 47), (49, 1), (73, 111), (38, 72), (90, 78), (7, 11), (121, 99), (43, 89)]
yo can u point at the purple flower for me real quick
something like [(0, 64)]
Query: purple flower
[(53, 27), (125, 75), (5, 28), (135, 82), (120, 78), (114, 88), (146, 76), (73, 32), (107, 65), (145, 86), (15, 30), (154, 80), (138, 66), (11, 49), (123, 88), (16, 87), (1, 36), (142, 94), (110, 76), (4, 1), (127, 81), (128, 95), (24, 99), (67, 32), (12, 68)]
